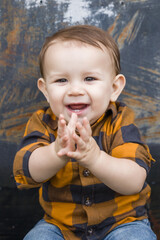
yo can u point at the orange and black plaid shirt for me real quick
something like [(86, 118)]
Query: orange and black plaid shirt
[(75, 200)]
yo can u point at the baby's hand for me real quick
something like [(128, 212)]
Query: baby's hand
[(87, 149), (65, 142)]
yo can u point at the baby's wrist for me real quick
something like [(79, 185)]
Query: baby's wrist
[(56, 149), (95, 157)]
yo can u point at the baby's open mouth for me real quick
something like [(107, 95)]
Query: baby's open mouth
[(77, 107)]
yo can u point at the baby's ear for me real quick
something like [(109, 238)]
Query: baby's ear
[(117, 86), (41, 83)]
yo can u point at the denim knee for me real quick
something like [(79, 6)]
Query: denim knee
[(44, 231), (137, 230)]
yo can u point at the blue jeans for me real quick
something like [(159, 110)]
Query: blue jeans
[(138, 230)]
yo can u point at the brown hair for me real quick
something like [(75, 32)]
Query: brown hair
[(87, 34)]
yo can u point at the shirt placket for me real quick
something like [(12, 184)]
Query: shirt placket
[(87, 181)]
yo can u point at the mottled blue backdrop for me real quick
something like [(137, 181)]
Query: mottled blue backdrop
[(24, 24)]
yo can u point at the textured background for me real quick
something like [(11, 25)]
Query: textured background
[(24, 24)]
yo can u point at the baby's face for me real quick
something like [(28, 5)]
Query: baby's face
[(78, 79)]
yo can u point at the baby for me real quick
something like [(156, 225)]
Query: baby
[(84, 150)]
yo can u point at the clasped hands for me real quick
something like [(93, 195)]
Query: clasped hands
[(75, 140)]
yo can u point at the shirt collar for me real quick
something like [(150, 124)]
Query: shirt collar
[(112, 109)]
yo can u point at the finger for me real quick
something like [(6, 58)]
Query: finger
[(87, 126), (81, 145), (62, 152), (72, 122), (63, 141), (75, 155), (61, 116), (82, 131), (61, 127)]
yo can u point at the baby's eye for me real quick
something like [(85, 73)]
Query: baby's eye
[(61, 80), (89, 79)]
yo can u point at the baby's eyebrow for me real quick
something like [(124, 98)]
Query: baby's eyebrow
[(57, 75), (93, 72)]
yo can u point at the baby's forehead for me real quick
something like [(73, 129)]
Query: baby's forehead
[(59, 44), (78, 43)]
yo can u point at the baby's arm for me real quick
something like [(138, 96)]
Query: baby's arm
[(46, 161), (122, 175)]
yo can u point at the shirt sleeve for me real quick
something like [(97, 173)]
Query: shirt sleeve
[(36, 135), (126, 139)]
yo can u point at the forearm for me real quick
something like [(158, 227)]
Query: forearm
[(44, 163), (122, 175)]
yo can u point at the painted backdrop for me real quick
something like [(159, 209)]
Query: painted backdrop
[(24, 24)]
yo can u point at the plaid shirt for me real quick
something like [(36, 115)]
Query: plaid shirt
[(75, 200)]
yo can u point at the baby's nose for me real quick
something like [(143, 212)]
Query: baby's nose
[(75, 90)]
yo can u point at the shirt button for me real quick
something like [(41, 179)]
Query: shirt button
[(86, 172), (90, 231), (88, 202)]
